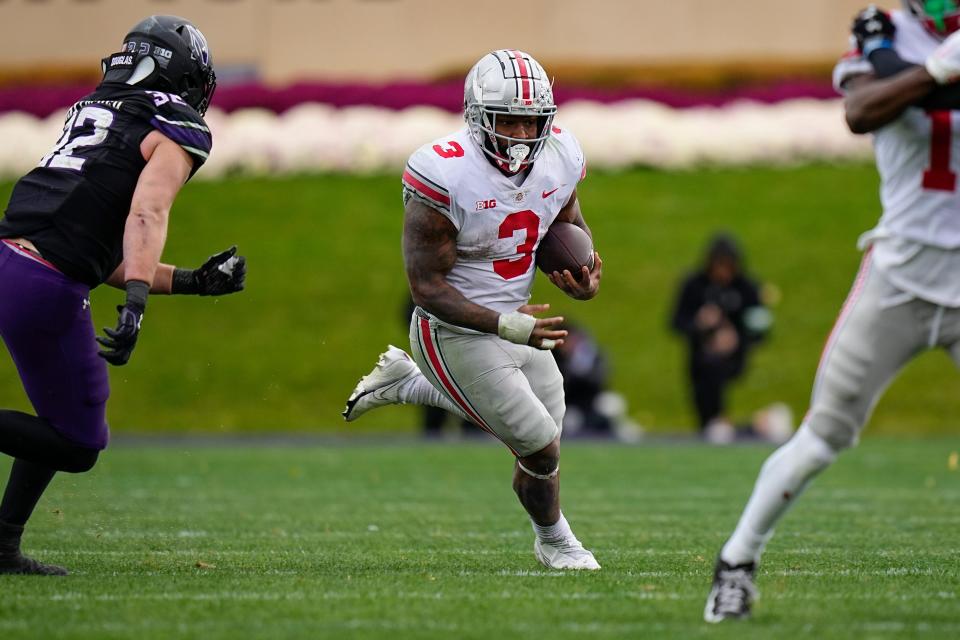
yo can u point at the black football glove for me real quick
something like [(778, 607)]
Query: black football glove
[(120, 342), (221, 274), (873, 29)]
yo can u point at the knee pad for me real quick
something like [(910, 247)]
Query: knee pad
[(838, 428)]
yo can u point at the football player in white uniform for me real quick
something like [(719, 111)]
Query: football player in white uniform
[(898, 84), (477, 203)]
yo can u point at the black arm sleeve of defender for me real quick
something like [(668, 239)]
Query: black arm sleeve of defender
[(887, 62)]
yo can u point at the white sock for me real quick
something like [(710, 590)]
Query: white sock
[(418, 390), (556, 532), (782, 478)]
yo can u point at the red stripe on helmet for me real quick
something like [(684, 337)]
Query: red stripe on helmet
[(526, 81)]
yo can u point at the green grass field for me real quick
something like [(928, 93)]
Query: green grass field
[(422, 541), (326, 291)]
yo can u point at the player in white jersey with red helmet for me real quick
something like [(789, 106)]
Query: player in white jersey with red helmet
[(477, 203), (899, 85)]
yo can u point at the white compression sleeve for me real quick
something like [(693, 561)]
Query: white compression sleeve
[(782, 478), (419, 391)]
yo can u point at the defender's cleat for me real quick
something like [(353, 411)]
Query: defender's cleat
[(566, 554), (733, 592), (381, 386), (17, 563)]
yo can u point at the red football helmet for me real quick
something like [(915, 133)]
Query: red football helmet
[(940, 17)]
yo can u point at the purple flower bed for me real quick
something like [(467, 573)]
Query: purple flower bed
[(42, 101)]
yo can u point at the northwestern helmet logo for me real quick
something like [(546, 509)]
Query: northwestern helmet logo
[(198, 44)]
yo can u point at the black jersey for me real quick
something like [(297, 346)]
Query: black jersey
[(73, 206)]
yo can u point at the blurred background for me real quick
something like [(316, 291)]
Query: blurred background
[(695, 117)]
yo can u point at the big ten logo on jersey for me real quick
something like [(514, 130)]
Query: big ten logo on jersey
[(486, 204), (161, 98)]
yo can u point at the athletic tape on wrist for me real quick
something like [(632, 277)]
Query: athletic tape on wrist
[(516, 327), (538, 476)]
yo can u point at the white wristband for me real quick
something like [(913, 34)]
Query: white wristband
[(516, 327)]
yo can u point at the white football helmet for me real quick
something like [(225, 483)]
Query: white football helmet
[(508, 82)]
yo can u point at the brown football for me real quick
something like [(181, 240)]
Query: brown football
[(566, 246)]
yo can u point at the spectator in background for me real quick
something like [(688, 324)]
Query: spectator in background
[(719, 311), (593, 411)]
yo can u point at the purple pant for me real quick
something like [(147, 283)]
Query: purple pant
[(45, 322)]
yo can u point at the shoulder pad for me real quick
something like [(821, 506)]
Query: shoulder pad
[(424, 180), (180, 122)]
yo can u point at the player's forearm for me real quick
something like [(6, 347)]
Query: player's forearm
[(162, 279), (875, 103), (887, 63), (143, 238), (438, 297)]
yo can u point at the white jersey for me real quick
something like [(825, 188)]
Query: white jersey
[(917, 239), (499, 224)]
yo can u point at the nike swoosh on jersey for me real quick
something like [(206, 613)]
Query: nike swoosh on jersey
[(547, 194)]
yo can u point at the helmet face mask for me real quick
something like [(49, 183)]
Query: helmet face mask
[(939, 17), (508, 83), (182, 62)]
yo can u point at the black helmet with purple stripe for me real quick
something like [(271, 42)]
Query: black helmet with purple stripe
[(166, 53)]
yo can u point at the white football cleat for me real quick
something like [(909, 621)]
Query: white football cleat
[(566, 554), (381, 386)]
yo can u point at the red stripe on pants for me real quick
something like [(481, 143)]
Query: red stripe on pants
[(435, 363)]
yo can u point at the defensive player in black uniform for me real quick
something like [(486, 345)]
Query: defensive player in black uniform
[(95, 210)]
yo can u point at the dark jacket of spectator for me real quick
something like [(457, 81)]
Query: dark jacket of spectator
[(718, 310)]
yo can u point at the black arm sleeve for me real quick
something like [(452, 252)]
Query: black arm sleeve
[(887, 63)]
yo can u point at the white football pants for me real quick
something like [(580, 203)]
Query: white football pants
[(877, 333), (513, 391)]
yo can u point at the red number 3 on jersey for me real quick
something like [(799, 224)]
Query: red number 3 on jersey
[(454, 151), (528, 222)]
